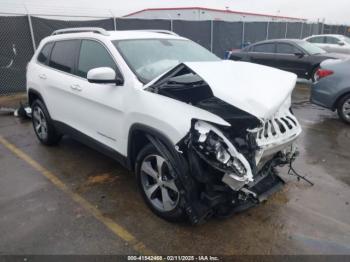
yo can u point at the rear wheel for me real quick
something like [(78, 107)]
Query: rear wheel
[(344, 108), (42, 124), (156, 180)]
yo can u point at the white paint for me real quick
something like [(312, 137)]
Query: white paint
[(256, 89)]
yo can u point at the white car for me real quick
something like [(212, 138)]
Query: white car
[(331, 43), (203, 135)]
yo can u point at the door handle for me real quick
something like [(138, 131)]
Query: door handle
[(76, 87), (42, 76)]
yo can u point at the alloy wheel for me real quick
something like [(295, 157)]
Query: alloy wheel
[(346, 109), (40, 123), (158, 184)]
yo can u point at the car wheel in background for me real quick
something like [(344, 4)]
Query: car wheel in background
[(157, 184), (43, 126), (344, 108)]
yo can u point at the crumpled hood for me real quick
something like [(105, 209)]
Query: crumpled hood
[(256, 89)]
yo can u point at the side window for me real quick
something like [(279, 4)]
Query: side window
[(317, 40), (264, 48), (92, 55), (44, 53), (283, 48), (63, 55), (331, 40)]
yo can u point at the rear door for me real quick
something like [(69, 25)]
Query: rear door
[(290, 58), (59, 97), (263, 54)]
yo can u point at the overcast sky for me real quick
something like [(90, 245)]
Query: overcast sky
[(334, 11)]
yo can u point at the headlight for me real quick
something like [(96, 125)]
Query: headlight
[(213, 147)]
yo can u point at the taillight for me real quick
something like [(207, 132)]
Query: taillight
[(322, 73)]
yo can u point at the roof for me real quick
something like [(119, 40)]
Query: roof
[(281, 40), (213, 9), (335, 35)]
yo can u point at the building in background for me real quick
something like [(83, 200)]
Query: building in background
[(202, 13)]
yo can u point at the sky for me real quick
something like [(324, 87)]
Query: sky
[(334, 12)]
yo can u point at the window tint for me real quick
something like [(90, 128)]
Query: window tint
[(264, 48), (331, 40), (44, 53), (317, 40), (283, 48), (92, 55), (63, 55)]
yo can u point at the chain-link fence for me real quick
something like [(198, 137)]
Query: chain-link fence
[(20, 35)]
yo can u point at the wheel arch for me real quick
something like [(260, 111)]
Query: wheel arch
[(139, 136), (343, 94), (33, 95)]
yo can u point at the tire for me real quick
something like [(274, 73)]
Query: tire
[(343, 109), (158, 188), (43, 125)]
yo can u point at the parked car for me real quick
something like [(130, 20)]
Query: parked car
[(293, 55), (332, 88), (201, 134), (331, 43)]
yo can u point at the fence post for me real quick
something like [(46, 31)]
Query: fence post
[(301, 31), (211, 34), (285, 35), (243, 33), (310, 33), (31, 31), (267, 30)]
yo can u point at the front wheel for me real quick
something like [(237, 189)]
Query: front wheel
[(343, 108), (157, 183)]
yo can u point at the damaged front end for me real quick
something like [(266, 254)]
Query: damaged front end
[(234, 166), (236, 172)]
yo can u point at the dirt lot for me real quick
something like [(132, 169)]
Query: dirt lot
[(72, 200)]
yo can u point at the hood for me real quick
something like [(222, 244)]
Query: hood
[(256, 89)]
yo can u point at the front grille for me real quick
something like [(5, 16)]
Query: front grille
[(278, 128)]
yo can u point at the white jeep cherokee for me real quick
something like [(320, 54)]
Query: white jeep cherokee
[(203, 135)]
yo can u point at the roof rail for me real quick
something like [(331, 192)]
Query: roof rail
[(81, 30), (159, 31)]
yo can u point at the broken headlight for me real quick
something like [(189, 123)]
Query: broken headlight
[(214, 148)]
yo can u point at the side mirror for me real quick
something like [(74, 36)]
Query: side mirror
[(103, 75), (299, 54), (341, 43)]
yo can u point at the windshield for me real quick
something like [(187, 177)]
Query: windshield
[(311, 49), (149, 58)]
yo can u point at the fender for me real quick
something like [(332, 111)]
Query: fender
[(147, 130)]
